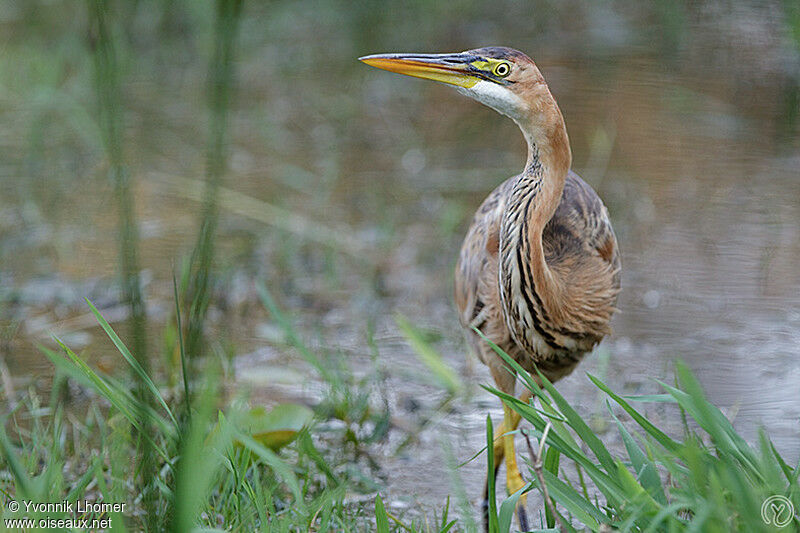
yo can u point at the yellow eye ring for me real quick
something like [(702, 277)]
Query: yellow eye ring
[(502, 70)]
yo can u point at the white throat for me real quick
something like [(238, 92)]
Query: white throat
[(495, 96)]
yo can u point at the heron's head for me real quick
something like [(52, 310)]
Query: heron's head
[(502, 78)]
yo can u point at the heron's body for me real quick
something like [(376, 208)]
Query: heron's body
[(539, 269), (580, 250)]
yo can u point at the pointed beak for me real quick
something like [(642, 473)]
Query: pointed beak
[(446, 68)]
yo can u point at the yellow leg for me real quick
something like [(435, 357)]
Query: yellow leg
[(504, 447), (499, 442), (514, 480)]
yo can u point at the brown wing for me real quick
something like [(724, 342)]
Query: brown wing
[(476, 272), (580, 226), (581, 248)]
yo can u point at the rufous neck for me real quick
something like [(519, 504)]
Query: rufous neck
[(536, 196), (549, 154)]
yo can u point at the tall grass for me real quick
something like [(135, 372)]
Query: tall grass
[(711, 479), (228, 14), (225, 469), (107, 88)]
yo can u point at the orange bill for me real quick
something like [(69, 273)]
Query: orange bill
[(453, 69)]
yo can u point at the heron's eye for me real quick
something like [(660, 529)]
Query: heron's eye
[(502, 70)]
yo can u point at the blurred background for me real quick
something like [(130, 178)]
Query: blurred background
[(346, 191)]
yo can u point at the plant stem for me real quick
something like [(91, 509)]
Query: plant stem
[(228, 13), (538, 460), (107, 87)]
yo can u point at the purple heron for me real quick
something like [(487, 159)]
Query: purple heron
[(539, 270)]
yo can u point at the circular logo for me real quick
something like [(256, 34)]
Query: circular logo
[(777, 511)]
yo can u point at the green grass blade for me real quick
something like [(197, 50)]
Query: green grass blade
[(291, 334), (722, 433), (530, 384), (572, 501), (283, 470), (113, 396), (648, 426), (306, 445), (21, 478), (580, 427), (79, 487), (187, 398), (650, 398), (201, 455), (68, 369), (667, 514), (491, 490), (551, 460), (636, 494), (131, 360), (604, 481), (381, 518), (791, 476), (646, 471), (120, 400), (565, 442), (442, 373), (506, 513), (535, 389), (712, 420)]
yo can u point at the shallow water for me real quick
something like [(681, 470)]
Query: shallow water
[(697, 157)]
